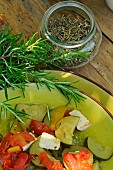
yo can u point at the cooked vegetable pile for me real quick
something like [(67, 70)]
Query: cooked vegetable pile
[(47, 141)]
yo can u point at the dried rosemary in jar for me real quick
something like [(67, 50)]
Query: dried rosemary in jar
[(69, 28), (72, 28)]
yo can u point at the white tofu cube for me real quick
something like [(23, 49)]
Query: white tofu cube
[(83, 122), (48, 141)]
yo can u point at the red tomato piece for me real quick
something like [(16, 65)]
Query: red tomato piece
[(6, 142), (82, 158), (70, 162), (27, 136), (18, 140), (21, 161), (21, 139), (44, 159), (39, 127), (77, 161), (4, 157), (83, 155), (18, 161), (85, 165), (57, 166), (15, 160)]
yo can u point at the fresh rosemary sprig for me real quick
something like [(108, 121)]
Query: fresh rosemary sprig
[(66, 89), (5, 108), (21, 63)]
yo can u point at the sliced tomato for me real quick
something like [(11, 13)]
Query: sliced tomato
[(16, 160), (7, 158), (27, 136), (85, 165), (21, 139), (50, 165), (69, 162), (19, 161), (6, 142), (4, 157), (57, 166), (82, 155), (44, 159), (39, 127), (82, 158), (77, 161)]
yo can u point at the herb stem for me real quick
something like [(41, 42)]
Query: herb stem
[(21, 63)]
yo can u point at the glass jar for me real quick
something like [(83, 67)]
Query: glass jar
[(72, 28)]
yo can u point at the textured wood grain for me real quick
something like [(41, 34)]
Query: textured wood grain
[(25, 17), (100, 68)]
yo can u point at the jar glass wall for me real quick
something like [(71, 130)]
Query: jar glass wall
[(71, 26)]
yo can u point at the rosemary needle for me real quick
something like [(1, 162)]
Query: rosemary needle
[(22, 62)]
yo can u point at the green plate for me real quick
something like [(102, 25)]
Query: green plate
[(100, 118), (102, 123), (87, 86)]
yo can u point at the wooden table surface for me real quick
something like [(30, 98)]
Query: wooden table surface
[(25, 17)]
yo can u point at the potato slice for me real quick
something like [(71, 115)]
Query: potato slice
[(65, 128)]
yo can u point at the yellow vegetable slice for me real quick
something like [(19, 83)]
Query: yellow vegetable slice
[(65, 128), (1, 168), (56, 115), (14, 149)]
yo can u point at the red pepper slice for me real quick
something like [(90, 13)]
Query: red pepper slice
[(19, 161), (44, 159), (82, 155), (50, 165), (57, 166), (21, 139), (11, 160), (39, 127), (77, 161), (6, 142), (70, 161), (82, 158)]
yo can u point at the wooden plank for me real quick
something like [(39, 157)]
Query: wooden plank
[(25, 17), (100, 69)]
